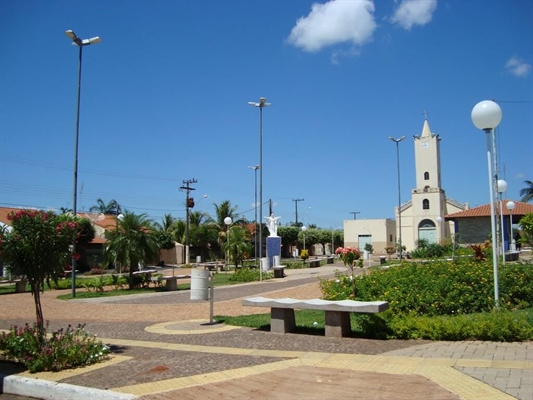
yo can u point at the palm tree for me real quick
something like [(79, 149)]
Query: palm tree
[(237, 245), (527, 192), (166, 223), (133, 242), (111, 208)]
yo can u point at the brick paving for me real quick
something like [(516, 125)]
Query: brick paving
[(170, 351)]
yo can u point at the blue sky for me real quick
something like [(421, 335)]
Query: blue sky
[(164, 99)]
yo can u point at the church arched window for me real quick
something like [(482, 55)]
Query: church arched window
[(425, 204), (426, 176)]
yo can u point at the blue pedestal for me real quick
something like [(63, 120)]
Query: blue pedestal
[(273, 244)]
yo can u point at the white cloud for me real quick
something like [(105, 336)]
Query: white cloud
[(517, 67), (336, 21), (414, 12)]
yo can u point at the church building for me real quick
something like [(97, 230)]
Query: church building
[(422, 217)]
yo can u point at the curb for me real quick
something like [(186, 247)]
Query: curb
[(48, 390)]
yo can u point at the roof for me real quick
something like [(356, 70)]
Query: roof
[(520, 210)]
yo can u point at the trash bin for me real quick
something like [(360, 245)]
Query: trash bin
[(382, 260), (265, 266), (199, 283), (330, 260)]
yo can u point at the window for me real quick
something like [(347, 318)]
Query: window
[(425, 204), (426, 189), (390, 238), (426, 176)]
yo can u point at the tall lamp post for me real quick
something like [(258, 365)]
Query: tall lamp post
[(255, 168), (228, 221), (304, 228), (76, 41), (502, 187), (262, 104), (399, 193), (510, 206), (332, 242), (487, 115)]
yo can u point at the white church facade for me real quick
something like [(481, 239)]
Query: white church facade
[(422, 217)]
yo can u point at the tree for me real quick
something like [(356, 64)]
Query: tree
[(38, 249), (526, 223), (289, 237), (527, 192), (133, 242), (237, 245), (111, 208)]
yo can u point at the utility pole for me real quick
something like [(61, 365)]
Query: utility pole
[(296, 207), (355, 214), (189, 203)]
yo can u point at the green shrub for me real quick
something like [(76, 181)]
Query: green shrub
[(63, 349), (438, 288), (497, 326), (249, 275)]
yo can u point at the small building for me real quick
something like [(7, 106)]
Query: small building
[(473, 226), (380, 233)]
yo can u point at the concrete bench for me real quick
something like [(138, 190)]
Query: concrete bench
[(337, 312), (279, 271), (171, 282), (314, 263)]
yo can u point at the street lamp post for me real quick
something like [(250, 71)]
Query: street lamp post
[(510, 206), (502, 187), (304, 228), (399, 193), (255, 168), (332, 243), (76, 41), (487, 115), (228, 221), (262, 103)]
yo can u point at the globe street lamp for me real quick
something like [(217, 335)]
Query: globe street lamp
[(487, 115), (304, 228), (76, 41), (262, 103), (502, 187), (399, 193), (510, 206), (255, 168), (228, 221)]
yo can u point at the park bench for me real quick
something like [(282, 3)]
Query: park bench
[(171, 282), (337, 312), (314, 263)]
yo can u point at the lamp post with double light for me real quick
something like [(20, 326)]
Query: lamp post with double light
[(262, 104), (400, 245), (81, 43), (487, 115)]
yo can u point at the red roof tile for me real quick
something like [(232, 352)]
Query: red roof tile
[(520, 210)]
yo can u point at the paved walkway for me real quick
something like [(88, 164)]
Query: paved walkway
[(165, 348)]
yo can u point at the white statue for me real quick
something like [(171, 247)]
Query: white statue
[(272, 224)]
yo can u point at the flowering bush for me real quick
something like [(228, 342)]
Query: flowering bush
[(62, 349), (304, 255), (348, 255)]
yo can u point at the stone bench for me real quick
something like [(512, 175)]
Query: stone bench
[(279, 271), (337, 312), (314, 263), (171, 282)]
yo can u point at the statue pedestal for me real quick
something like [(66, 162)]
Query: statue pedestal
[(273, 248)]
